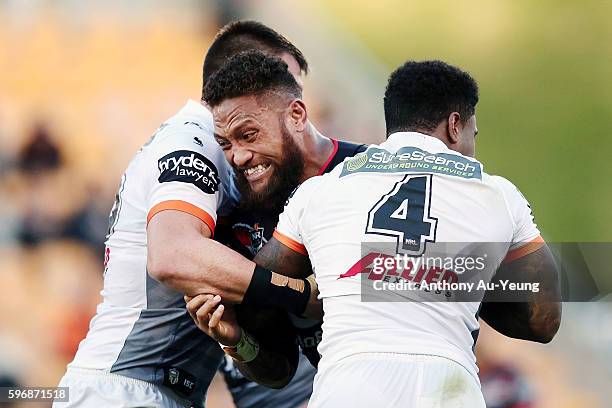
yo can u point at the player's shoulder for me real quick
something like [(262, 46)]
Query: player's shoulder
[(516, 203), (349, 149), (184, 149), (192, 127), (304, 193), (187, 137), (505, 186), (307, 187)]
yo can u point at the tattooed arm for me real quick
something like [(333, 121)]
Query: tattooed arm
[(535, 316), (273, 326), (281, 259), (269, 329)]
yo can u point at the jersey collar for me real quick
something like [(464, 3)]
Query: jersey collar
[(330, 158), (429, 143)]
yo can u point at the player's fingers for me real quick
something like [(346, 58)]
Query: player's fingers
[(216, 317), (195, 304), (203, 313), (187, 298)]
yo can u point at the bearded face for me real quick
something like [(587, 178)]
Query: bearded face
[(283, 176), (264, 153)]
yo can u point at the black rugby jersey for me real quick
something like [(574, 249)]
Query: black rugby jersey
[(247, 232)]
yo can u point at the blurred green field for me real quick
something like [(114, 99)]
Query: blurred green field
[(545, 112)]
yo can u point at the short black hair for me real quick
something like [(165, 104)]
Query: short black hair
[(246, 35), (250, 73), (420, 95)]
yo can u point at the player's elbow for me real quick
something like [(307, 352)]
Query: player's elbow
[(278, 381), (166, 263), (174, 266), (276, 377), (161, 268), (547, 327), (545, 337)]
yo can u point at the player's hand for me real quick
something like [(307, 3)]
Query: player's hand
[(213, 318), (314, 308)]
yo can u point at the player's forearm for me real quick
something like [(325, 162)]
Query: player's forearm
[(278, 352), (205, 266), (544, 308), (538, 316), (182, 256)]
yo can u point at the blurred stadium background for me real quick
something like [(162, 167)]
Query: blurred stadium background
[(84, 84)]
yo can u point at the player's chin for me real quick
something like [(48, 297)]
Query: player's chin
[(260, 183)]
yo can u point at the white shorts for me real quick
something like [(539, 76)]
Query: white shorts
[(395, 380), (98, 388)]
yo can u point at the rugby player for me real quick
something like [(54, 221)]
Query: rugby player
[(419, 191), (270, 158), (142, 347)]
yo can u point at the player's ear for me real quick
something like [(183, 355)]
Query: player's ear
[(454, 127), (298, 114)]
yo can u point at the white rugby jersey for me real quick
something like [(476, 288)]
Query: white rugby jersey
[(410, 195), (141, 328)]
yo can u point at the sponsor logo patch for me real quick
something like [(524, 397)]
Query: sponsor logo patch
[(180, 381), (357, 162), (173, 376), (189, 167), (412, 160)]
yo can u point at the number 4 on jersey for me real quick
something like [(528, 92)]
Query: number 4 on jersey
[(403, 213)]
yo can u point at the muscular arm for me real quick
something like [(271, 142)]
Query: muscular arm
[(277, 360), (538, 317), (182, 255), (281, 259), (275, 323)]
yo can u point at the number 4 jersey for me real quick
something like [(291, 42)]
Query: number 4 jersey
[(410, 196), (141, 329)]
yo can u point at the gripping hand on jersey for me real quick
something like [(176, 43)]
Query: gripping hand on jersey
[(215, 319)]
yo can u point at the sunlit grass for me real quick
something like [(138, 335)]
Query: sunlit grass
[(544, 70)]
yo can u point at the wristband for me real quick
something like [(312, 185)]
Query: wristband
[(246, 350), (269, 289)]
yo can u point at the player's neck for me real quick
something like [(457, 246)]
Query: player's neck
[(439, 133), (317, 150)]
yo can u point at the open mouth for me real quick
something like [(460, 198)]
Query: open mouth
[(256, 173)]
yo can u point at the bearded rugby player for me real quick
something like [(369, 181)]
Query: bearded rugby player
[(142, 347), (270, 161), (400, 350)]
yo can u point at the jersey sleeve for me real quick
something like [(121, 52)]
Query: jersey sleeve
[(526, 236), (189, 170), (290, 228)]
